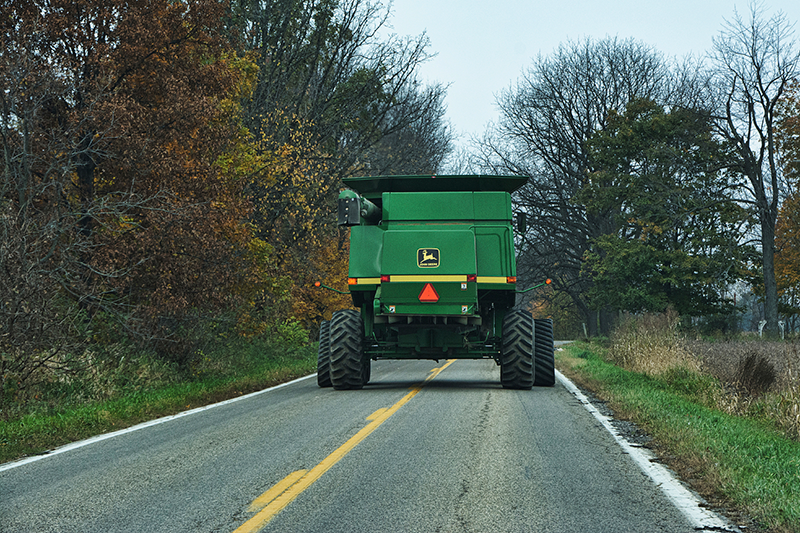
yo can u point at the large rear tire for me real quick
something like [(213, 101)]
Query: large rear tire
[(324, 355), (544, 353), (346, 348), (516, 358)]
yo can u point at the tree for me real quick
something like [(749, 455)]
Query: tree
[(332, 99), (129, 128), (46, 286), (787, 258), (323, 64), (662, 178), (787, 227), (788, 132), (40, 242), (547, 118), (756, 59)]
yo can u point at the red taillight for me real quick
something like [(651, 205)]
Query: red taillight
[(428, 294), (384, 278), (472, 277), (352, 281), (511, 279)]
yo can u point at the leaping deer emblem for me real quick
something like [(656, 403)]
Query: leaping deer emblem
[(428, 257)]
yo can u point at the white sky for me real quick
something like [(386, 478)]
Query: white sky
[(483, 47)]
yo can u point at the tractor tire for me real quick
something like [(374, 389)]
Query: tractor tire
[(324, 355), (544, 353), (346, 349), (516, 357)]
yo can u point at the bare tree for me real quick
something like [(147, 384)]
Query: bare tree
[(418, 148), (756, 59), (345, 97), (324, 63), (546, 119)]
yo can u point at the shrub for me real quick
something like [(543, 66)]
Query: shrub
[(755, 374)]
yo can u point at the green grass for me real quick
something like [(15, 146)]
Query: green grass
[(745, 463), (230, 370)]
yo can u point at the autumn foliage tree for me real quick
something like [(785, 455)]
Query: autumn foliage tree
[(171, 165), (125, 162), (293, 198), (788, 132), (787, 229), (333, 99), (787, 257)]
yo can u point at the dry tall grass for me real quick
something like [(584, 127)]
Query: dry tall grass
[(756, 378), (650, 344)]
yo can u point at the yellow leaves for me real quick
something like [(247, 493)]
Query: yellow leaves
[(649, 228), (246, 70)]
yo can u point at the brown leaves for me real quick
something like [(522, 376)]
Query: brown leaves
[(787, 254), (134, 106)]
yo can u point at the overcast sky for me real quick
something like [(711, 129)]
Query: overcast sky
[(482, 47)]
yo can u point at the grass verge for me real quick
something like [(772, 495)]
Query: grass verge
[(739, 463), (249, 367)]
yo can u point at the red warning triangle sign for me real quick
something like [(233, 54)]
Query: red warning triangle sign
[(428, 294)]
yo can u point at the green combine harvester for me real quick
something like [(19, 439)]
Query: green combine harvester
[(433, 271)]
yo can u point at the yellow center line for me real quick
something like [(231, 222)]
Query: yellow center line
[(276, 490), (376, 414), (285, 492)]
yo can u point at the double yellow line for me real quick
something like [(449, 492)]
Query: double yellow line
[(285, 491)]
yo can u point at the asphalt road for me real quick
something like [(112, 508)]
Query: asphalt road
[(455, 453)]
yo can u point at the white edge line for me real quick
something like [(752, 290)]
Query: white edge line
[(104, 436), (686, 502)]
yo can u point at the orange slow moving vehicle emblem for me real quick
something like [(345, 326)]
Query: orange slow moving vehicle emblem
[(428, 294)]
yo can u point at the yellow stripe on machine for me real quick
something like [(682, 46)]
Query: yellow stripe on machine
[(493, 279), (364, 281), (429, 279)]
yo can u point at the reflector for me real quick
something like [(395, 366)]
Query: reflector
[(428, 294)]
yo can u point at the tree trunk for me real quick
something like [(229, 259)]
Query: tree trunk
[(607, 318), (589, 316), (85, 171), (770, 283)]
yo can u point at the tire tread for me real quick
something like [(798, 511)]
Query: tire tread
[(516, 366), (544, 353), (346, 350)]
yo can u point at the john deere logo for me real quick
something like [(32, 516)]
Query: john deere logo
[(428, 257)]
